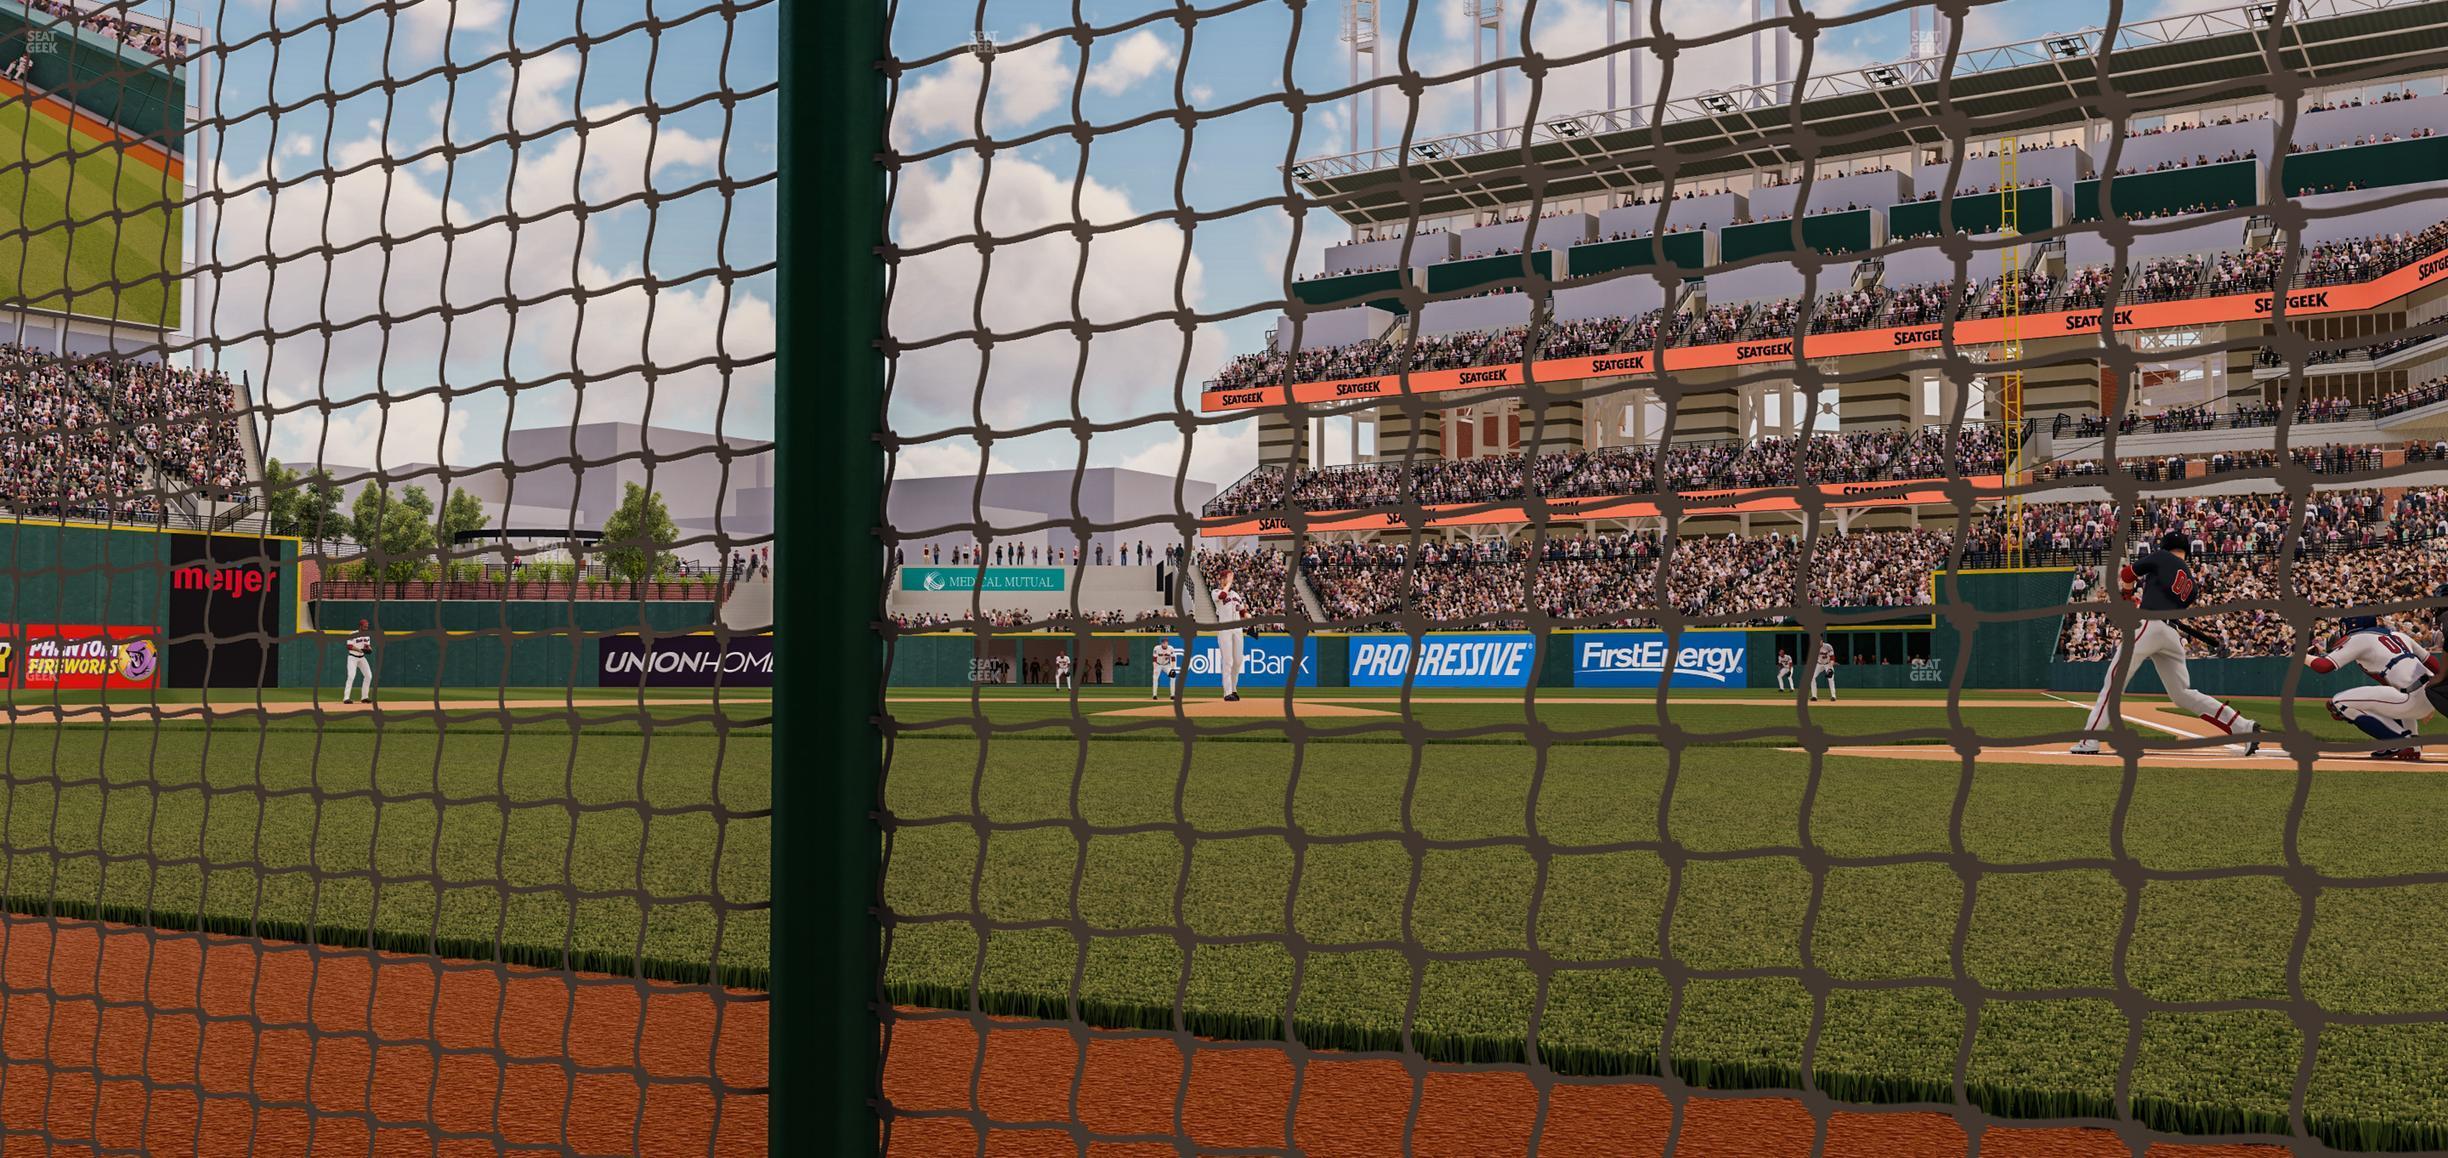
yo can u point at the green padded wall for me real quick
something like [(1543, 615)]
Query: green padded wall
[(2170, 190), (50, 573), (1685, 250), (2368, 166), (1455, 276), (2000, 626), (1381, 288), (2035, 210), (1826, 232), (520, 643)]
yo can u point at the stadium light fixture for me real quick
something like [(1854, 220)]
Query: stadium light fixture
[(1567, 127), (1886, 75), (1429, 152), (1302, 172), (1717, 102), (2067, 46), (2262, 15)]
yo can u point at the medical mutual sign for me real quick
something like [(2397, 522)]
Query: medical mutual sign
[(1638, 659), (1267, 661), (994, 578), (1495, 660)]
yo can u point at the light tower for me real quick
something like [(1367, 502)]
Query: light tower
[(2010, 381), (1487, 25), (1360, 35)]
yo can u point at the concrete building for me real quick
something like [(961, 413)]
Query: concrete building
[(1127, 506)]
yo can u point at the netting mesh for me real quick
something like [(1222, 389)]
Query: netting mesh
[(386, 625), (1871, 379)]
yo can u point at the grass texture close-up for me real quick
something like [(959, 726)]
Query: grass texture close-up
[(1747, 918), (624, 843), (85, 227)]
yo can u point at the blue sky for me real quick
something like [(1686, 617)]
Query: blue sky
[(1140, 373), (598, 305), (477, 129)]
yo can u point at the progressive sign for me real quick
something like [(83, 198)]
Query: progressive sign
[(1466, 660)]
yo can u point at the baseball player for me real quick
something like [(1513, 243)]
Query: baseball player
[(2401, 671), (1062, 670), (360, 663), (1231, 610), (1785, 670), (2163, 583), (1826, 670), (1167, 665)]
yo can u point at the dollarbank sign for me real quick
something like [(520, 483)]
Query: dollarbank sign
[(44, 657)]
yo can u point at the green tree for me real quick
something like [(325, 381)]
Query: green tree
[(306, 505), (637, 538), (463, 513), (397, 532)]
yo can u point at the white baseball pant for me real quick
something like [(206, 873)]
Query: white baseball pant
[(1228, 659)]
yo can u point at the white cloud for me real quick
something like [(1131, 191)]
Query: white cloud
[(1028, 83), (1219, 454), (425, 24), (1120, 374), (1120, 66)]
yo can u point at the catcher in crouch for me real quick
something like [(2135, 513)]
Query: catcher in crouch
[(2401, 670), (2164, 584)]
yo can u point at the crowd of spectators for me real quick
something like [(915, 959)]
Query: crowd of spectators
[(142, 37), (2218, 525), (2314, 583), (1613, 579), (1863, 456), (2422, 393), (1258, 574), (2203, 417), (2332, 459), (2157, 279), (103, 436)]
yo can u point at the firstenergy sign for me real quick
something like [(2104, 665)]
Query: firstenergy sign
[(1641, 659), (2333, 299)]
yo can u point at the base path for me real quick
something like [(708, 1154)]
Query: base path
[(1240, 1096), (2145, 715), (1247, 707), (132, 1039)]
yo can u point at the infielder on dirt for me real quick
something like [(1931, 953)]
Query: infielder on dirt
[(1784, 670), (1826, 670), (2163, 583), (1167, 665), (2401, 670)]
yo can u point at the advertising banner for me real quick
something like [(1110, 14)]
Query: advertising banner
[(1267, 661), (226, 595), (1462, 660), (2350, 298), (996, 579), (1637, 659), (685, 661), (44, 657)]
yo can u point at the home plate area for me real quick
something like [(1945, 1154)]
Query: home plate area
[(2161, 719)]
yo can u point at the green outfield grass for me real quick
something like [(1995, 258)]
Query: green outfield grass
[(459, 837), (1610, 717), (83, 228), (1647, 870)]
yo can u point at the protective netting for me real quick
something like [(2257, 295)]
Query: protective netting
[(386, 409), (1895, 364)]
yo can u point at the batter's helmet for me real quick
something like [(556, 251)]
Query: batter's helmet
[(2361, 622)]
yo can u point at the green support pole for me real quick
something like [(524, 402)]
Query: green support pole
[(829, 500)]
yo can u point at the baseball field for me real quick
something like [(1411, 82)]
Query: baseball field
[(85, 227), (1740, 890)]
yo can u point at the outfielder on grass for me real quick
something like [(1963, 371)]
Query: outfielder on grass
[(2163, 582), (2401, 672), (360, 663)]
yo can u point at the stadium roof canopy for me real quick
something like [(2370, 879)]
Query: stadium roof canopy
[(2047, 82)]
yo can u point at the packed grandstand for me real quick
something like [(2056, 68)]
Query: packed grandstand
[(108, 438)]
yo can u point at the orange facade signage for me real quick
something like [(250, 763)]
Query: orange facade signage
[(1851, 343), (1903, 492)]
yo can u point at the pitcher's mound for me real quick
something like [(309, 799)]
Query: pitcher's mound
[(1247, 707)]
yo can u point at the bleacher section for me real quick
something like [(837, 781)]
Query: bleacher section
[(107, 439)]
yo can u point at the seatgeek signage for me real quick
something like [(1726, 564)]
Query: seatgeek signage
[(1472, 660), (1267, 661), (2168, 315), (1638, 659)]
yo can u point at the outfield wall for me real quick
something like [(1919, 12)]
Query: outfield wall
[(481, 642)]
